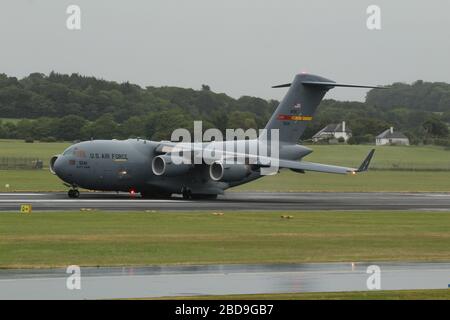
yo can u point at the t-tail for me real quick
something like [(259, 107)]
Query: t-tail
[(299, 105)]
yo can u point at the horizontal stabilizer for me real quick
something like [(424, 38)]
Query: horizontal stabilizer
[(286, 85), (329, 85), (334, 84)]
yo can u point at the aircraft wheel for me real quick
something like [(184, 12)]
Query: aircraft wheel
[(73, 193), (187, 194)]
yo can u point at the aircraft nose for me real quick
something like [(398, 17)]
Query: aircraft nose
[(59, 166)]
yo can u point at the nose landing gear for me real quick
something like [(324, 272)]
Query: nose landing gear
[(73, 193)]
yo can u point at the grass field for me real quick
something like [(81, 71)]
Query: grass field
[(443, 294), (147, 238), (29, 180), (40, 150)]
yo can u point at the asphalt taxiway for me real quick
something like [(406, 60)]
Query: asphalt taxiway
[(232, 201), (169, 281)]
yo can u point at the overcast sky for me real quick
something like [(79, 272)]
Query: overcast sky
[(240, 47)]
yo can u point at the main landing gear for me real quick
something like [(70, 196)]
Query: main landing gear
[(155, 195), (73, 193), (186, 192)]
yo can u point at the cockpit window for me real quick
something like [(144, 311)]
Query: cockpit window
[(68, 151)]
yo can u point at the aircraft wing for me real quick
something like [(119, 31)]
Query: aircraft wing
[(319, 167), (299, 166)]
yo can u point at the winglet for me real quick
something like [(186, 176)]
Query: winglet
[(365, 164)]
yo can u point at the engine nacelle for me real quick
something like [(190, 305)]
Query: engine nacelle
[(219, 171), (164, 166), (52, 164)]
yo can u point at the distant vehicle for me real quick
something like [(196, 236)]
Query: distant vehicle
[(148, 167)]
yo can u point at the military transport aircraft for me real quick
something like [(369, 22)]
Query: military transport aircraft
[(148, 168)]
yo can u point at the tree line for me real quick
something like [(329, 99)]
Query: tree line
[(75, 107)]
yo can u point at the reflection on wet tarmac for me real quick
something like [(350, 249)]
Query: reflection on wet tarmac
[(159, 281)]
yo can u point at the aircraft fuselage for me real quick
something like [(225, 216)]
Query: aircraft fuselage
[(126, 165)]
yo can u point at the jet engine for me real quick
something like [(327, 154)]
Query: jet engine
[(52, 164), (165, 165), (219, 171)]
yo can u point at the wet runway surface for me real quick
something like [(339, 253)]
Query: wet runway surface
[(232, 201), (104, 283)]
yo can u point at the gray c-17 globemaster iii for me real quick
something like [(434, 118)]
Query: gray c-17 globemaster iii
[(139, 165)]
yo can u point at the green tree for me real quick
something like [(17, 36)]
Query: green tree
[(10, 130), (46, 128), (435, 127), (133, 127), (2, 130), (102, 128), (25, 129), (68, 128), (242, 120), (159, 126)]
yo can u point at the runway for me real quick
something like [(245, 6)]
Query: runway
[(109, 283), (231, 201)]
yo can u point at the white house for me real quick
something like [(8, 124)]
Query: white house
[(390, 137), (333, 131)]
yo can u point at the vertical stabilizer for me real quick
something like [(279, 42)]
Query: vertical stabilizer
[(297, 108), (299, 105)]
